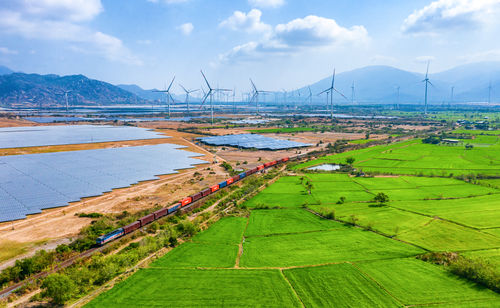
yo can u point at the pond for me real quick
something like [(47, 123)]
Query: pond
[(325, 167)]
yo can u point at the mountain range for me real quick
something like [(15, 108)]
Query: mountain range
[(372, 84)]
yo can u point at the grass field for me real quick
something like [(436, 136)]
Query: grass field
[(414, 157), (292, 257), (200, 288), (339, 285), (347, 244), (268, 222), (284, 130), (415, 282)]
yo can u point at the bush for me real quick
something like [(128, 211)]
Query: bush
[(381, 198), (58, 287)]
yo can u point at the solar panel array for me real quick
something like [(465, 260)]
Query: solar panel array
[(61, 119), (248, 141), (15, 137), (30, 183)]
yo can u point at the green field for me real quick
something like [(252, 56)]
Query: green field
[(291, 257), (414, 282), (339, 285), (283, 130), (415, 158), (321, 248), (200, 288)]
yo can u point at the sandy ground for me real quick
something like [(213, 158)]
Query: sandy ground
[(5, 122), (54, 225)]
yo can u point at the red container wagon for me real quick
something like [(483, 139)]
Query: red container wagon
[(186, 201), (274, 163), (284, 160), (132, 227), (160, 213), (267, 165), (236, 178), (146, 219), (206, 192), (214, 188), (229, 181), (196, 197), (174, 207), (260, 167)]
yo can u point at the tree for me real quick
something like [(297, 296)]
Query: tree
[(350, 160), (381, 198), (58, 287)]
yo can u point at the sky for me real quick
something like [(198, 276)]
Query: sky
[(280, 44)]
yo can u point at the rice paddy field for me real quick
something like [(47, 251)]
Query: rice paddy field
[(283, 253), (416, 158)]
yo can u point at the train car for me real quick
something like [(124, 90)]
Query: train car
[(274, 163), (174, 208), (229, 181), (260, 167), (146, 219), (186, 201), (267, 165), (206, 192), (284, 160), (222, 184), (103, 239), (196, 197), (236, 178), (214, 188), (132, 227), (242, 175), (160, 213)]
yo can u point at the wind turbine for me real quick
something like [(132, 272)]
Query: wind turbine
[(187, 96), (167, 92), (352, 93), (255, 95), (489, 93), (427, 82), (210, 93), (66, 98), (330, 91), (397, 101), (309, 97)]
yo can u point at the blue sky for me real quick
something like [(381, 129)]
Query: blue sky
[(278, 43)]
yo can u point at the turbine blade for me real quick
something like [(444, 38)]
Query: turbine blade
[(209, 87), (333, 79), (168, 90), (253, 85), (205, 98), (341, 94), (183, 88)]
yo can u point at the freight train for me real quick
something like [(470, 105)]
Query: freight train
[(141, 222)]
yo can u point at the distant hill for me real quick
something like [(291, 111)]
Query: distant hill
[(378, 84), (151, 95), (5, 70), (28, 90)]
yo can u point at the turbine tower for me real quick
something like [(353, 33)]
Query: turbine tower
[(210, 94), (187, 97), (397, 101), (330, 91), (66, 98), (427, 82), (255, 95), (167, 93), (352, 93), (489, 93)]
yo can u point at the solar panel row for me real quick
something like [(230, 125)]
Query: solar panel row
[(30, 183), (15, 137), (252, 141)]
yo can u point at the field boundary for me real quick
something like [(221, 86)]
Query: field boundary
[(291, 286)]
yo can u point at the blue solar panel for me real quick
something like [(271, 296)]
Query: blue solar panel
[(14, 137), (30, 183), (248, 141)]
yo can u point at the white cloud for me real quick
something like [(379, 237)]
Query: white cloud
[(488, 55), (298, 35), (61, 20), (317, 31), (249, 22), (186, 28), (424, 59), (450, 14), (7, 51), (169, 1), (266, 3)]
